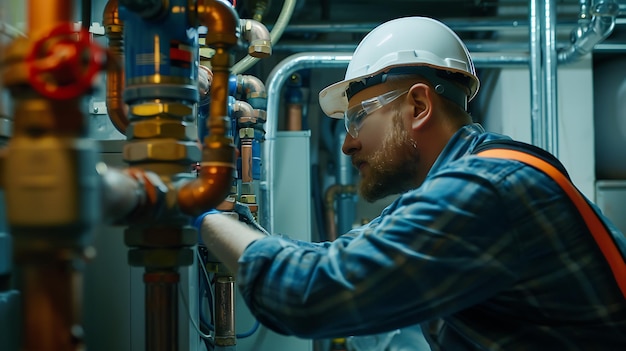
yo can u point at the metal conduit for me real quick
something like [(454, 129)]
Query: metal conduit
[(536, 122), (549, 62), (275, 81), (544, 121)]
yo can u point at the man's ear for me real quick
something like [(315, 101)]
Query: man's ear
[(420, 96)]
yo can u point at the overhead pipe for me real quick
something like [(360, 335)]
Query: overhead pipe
[(590, 31), (457, 25)]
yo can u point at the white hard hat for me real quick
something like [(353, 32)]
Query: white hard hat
[(403, 46)]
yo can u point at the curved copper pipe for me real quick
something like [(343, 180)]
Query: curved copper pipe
[(115, 78), (217, 169), (208, 191)]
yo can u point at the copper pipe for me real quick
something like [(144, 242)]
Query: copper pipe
[(43, 15), (206, 192), (246, 160), (294, 116), (243, 111), (161, 310), (51, 289), (217, 168), (115, 78), (329, 202)]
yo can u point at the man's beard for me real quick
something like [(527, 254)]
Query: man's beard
[(393, 168)]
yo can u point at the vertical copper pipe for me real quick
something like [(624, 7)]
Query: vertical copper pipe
[(115, 77), (246, 161), (161, 311), (219, 98), (51, 290), (294, 116), (43, 15)]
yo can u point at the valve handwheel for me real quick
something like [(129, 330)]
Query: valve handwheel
[(63, 64)]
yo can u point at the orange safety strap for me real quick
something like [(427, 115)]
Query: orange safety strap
[(598, 230)]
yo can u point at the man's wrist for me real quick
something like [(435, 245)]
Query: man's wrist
[(198, 221)]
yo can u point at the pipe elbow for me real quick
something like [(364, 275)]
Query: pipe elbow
[(206, 192), (252, 90), (221, 20), (603, 20), (214, 181), (258, 36), (585, 38), (110, 16), (242, 109)]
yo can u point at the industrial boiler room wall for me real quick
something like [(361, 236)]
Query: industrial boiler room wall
[(505, 108)]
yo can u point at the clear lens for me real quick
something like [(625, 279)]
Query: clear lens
[(354, 116)]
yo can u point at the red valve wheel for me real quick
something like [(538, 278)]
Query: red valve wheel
[(63, 64)]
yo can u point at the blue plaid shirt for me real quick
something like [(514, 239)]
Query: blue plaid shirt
[(489, 252)]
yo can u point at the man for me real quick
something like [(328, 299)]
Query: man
[(491, 252)]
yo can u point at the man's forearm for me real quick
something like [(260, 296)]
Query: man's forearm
[(227, 238)]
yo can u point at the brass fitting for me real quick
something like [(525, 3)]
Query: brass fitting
[(154, 109), (162, 150), (246, 133), (248, 199), (259, 38), (162, 128)]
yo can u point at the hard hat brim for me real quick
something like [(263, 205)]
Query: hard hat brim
[(334, 101)]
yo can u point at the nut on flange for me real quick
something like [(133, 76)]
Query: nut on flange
[(161, 128), (160, 258), (154, 109), (162, 150)]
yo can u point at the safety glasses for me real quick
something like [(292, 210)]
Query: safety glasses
[(355, 115)]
